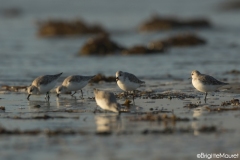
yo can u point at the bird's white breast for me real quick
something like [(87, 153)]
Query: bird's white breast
[(104, 104), (75, 86), (47, 87), (200, 86), (127, 85)]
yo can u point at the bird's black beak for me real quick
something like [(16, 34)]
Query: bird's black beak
[(57, 95), (117, 79), (28, 96)]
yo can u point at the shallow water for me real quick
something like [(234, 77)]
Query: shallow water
[(25, 56)]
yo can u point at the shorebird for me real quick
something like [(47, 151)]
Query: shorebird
[(43, 84), (73, 83), (128, 81), (106, 100), (205, 83)]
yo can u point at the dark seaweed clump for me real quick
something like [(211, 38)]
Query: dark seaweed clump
[(2, 108), (171, 95), (234, 72), (158, 117), (168, 130), (152, 95), (42, 117), (100, 45), (53, 28), (191, 105), (230, 5), (4, 131), (158, 23), (99, 77), (103, 45), (57, 132), (14, 88), (221, 109), (233, 102), (140, 49), (181, 40)]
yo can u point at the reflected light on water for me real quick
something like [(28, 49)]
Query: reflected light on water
[(107, 123)]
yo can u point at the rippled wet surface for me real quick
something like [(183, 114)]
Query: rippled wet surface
[(67, 127), (171, 122)]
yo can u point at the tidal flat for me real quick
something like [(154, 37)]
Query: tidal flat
[(68, 127)]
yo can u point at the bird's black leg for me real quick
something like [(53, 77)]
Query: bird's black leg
[(47, 96), (95, 110), (133, 95), (73, 93), (82, 93), (119, 113), (126, 95), (28, 96), (205, 99)]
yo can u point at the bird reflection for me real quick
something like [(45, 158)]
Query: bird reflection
[(197, 113), (62, 102), (39, 104), (107, 123), (195, 127)]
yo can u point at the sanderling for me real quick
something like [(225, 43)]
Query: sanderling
[(127, 81), (106, 100), (43, 84), (73, 83), (205, 83)]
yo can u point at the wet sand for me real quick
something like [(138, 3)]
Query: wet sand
[(153, 127)]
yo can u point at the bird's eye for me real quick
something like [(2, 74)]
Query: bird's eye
[(59, 90), (31, 90), (120, 74)]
